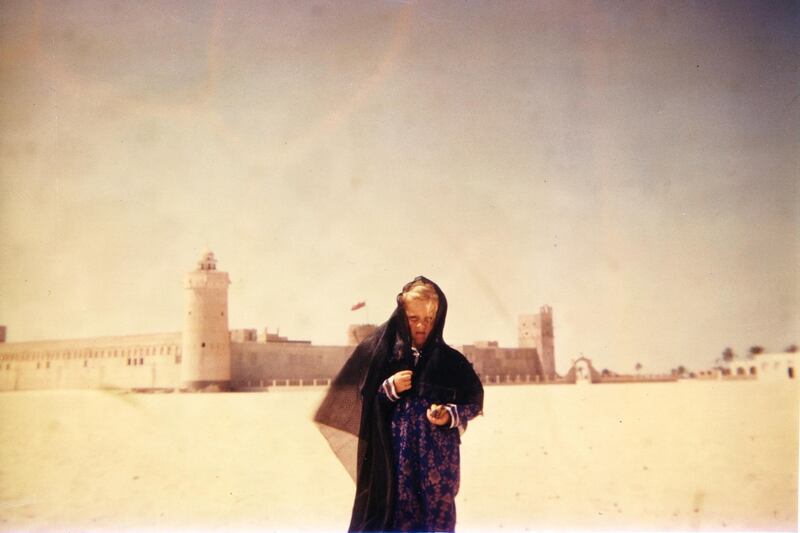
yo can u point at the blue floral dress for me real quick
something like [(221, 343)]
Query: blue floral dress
[(426, 462)]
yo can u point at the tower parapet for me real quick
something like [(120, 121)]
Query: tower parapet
[(206, 352)]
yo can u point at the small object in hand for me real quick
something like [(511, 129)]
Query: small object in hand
[(438, 412)]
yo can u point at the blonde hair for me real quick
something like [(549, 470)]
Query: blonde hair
[(421, 290)]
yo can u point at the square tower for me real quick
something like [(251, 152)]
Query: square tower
[(536, 331)]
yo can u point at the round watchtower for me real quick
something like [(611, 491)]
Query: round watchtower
[(206, 353)]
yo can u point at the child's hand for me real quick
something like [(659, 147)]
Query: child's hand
[(438, 415), (402, 380)]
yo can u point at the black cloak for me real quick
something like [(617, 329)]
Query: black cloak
[(352, 407)]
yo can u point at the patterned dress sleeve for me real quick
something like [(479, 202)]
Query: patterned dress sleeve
[(461, 414), (387, 391)]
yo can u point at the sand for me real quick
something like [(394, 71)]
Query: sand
[(664, 456)]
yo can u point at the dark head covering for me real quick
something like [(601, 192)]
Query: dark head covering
[(356, 421)]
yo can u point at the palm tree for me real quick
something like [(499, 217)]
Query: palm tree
[(638, 367), (727, 355), (792, 348), (755, 350)]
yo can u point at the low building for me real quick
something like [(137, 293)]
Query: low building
[(779, 366)]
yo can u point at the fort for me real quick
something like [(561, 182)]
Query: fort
[(208, 356)]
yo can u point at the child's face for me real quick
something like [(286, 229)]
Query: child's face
[(421, 315)]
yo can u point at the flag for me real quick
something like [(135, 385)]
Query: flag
[(358, 306)]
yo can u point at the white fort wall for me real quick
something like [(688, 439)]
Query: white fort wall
[(131, 362), (153, 362), (255, 365)]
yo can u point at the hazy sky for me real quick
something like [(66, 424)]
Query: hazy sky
[(632, 164)]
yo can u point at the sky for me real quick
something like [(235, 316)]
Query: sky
[(634, 165)]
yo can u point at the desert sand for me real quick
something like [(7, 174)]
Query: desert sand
[(660, 456)]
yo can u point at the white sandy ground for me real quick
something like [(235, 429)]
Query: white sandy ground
[(667, 456)]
